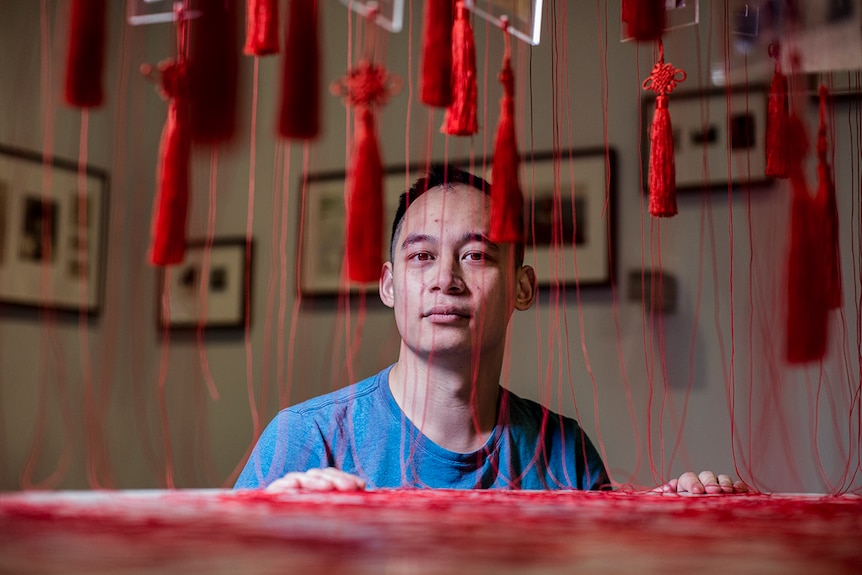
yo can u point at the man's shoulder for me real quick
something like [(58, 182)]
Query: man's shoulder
[(341, 398)]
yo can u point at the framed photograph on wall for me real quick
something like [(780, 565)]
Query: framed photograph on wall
[(568, 219), (718, 138), (209, 288), (570, 216), (52, 232)]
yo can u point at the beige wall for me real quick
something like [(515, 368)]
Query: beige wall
[(603, 345)]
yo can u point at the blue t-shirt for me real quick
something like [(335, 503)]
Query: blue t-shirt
[(361, 430)]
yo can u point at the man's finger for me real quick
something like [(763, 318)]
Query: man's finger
[(709, 482), (690, 483)]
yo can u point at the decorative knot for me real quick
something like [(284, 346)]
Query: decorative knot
[(663, 78), (366, 85)]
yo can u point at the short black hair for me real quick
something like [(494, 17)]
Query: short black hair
[(445, 175)]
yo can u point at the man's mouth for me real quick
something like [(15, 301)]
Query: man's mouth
[(447, 314)]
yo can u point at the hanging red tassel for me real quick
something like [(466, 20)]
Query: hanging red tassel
[(828, 206), (436, 80), (86, 55), (807, 308), (776, 121), (299, 116), (662, 167), (460, 118), (170, 213), (644, 19), (261, 27), (365, 203), (365, 88), (212, 71), (507, 201)]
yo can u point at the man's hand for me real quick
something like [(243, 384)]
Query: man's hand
[(706, 482), (329, 479)]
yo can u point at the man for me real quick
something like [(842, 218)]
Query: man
[(438, 417)]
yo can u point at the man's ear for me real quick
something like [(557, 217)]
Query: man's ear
[(527, 288), (387, 285)]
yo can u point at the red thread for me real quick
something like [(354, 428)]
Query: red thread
[(827, 205)]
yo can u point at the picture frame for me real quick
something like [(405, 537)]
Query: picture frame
[(719, 138), (570, 212), (523, 17), (53, 221), (574, 177), (223, 303)]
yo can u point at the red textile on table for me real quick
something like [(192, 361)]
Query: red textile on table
[(644, 19), (827, 205), (261, 27), (170, 211), (86, 55), (460, 118), (507, 200), (436, 80), (212, 71), (776, 122), (807, 308), (299, 113), (365, 203), (662, 166)]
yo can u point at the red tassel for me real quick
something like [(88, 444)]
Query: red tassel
[(171, 206), (212, 72), (507, 201), (299, 116), (828, 206), (364, 247), (644, 19), (86, 56), (662, 167), (261, 27), (807, 309), (460, 118), (436, 83), (776, 122)]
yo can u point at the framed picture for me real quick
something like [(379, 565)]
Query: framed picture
[(52, 232), (718, 138), (570, 216), (565, 193), (209, 288)]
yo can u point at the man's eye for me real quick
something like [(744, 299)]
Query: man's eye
[(475, 256), (421, 256)]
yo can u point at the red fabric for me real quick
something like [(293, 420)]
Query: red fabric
[(299, 116), (644, 19), (807, 308), (261, 27), (435, 85), (776, 127), (507, 201), (662, 167), (364, 246), (460, 119), (213, 69), (170, 213), (86, 55), (827, 205)]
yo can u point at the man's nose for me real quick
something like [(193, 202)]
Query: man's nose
[(448, 276)]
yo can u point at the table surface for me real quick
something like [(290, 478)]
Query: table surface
[(426, 531)]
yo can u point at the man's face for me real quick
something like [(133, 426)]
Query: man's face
[(452, 289)]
